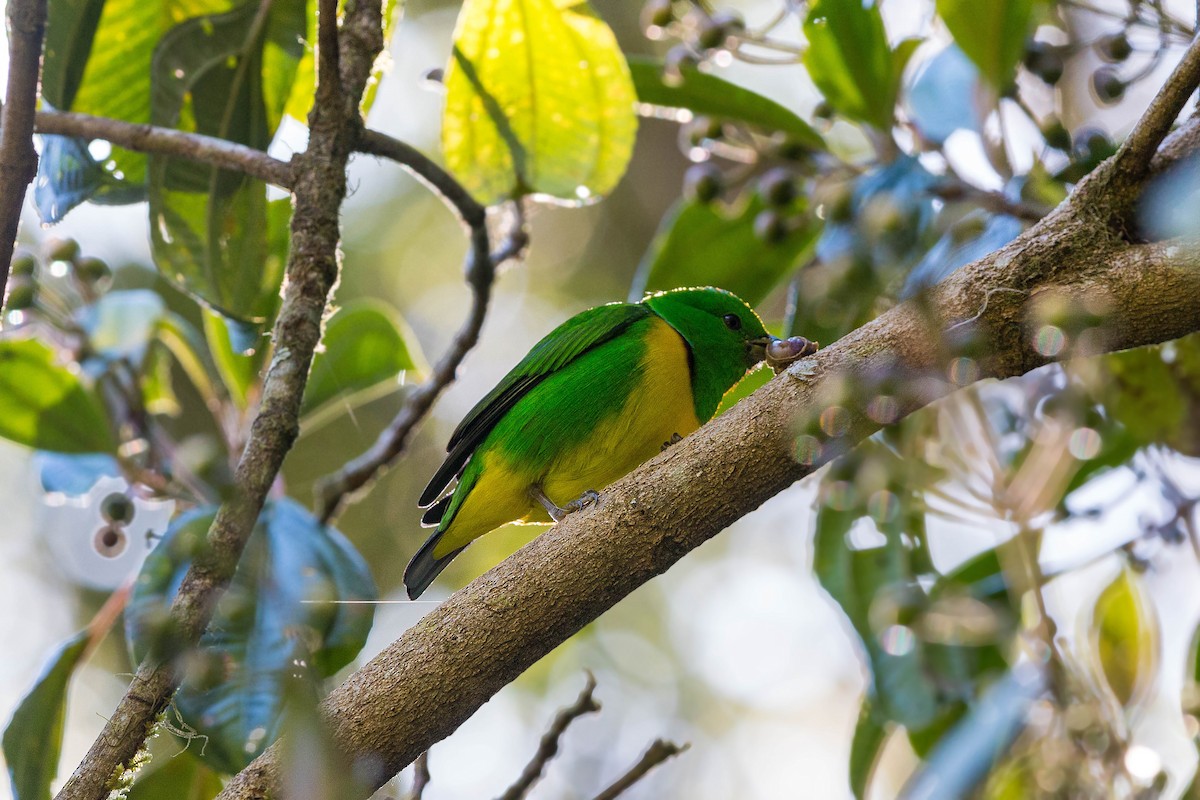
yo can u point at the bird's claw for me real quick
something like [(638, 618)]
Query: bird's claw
[(588, 498), (675, 439)]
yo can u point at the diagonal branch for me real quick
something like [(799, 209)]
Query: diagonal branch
[(18, 159), (312, 271), (169, 142), (488, 633)]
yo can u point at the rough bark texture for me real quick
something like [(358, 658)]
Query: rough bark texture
[(312, 271), (438, 673), (18, 160)]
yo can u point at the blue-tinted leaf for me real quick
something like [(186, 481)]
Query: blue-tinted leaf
[(965, 755), (74, 474), (33, 738), (701, 244), (68, 176), (123, 324), (702, 93), (952, 251), (943, 95), (275, 620), (366, 344), (43, 404)]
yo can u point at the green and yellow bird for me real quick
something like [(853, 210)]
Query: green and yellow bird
[(603, 392)]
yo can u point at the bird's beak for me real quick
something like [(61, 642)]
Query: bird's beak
[(758, 347)]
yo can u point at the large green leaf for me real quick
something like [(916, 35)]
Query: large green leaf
[(992, 33), (701, 244), (366, 344), (70, 30), (222, 75), (538, 100), (33, 738), (43, 404), (278, 617), (702, 93), (182, 776), (849, 59), (116, 79)]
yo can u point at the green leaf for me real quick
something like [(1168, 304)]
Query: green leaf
[(44, 405), (1124, 638), (538, 100), (870, 735), (366, 345), (210, 228), (849, 59), (992, 33), (276, 619), (116, 80), (70, 29), (240, 368), (33, 738), (702, 244), (703, 93), (181, 777)]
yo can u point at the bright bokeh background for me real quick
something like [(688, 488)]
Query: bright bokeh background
[(737, 650)]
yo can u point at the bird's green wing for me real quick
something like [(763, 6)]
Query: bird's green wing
[(560, 347)]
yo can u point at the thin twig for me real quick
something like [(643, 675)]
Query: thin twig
[(18, 159), (1131, 164), (657, 753), (421, 776), (455, 195), (333, 490), (548, 746), (953, 189), (169, 142), (311, 273)]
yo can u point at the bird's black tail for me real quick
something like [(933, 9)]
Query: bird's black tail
[(424, 567)]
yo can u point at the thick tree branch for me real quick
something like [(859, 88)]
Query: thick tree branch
[(18, 159), (312, 272), (488, 633), (168, 142), (548, 745)]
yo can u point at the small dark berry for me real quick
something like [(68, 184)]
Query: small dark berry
[(1107, 85), (21, 296), (1045, 61), (1114, 47), (23, 263), (92, 270), (711, 35), (777, 187), (1055, 134), (657, 14), (703, 183), (62, 249), (116, 507), (770, 227)]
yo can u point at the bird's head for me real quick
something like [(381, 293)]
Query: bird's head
[(718, 325)]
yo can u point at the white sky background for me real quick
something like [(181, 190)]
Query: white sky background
[(754, 665)]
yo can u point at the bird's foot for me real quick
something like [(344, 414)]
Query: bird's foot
[(675, 439), (588, 498)]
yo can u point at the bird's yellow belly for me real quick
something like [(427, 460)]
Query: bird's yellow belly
[(659, 408)]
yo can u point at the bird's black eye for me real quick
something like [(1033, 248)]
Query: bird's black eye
[(732, 321)]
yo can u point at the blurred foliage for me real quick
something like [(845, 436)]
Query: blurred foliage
[(823, 214)]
